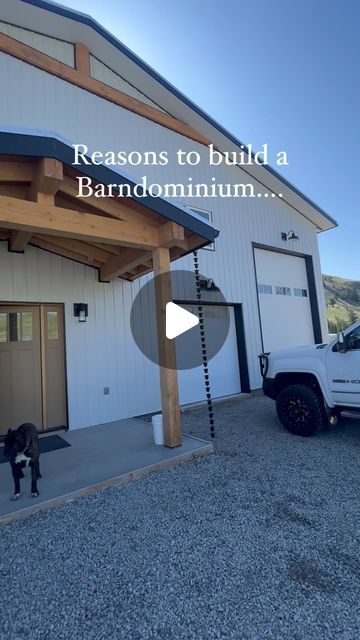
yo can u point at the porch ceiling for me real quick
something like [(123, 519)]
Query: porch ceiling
[(39, 206)]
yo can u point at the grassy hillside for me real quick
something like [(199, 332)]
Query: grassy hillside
[(342, 302)]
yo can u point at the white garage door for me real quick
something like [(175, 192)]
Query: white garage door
[(223, 367), (284, 303)]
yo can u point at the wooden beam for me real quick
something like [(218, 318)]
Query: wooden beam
[(47, 179), (61, 251), (119, 265), (190, 243), (49, 220), (111, 206), (82, 59), (141, 271), (19, 240), (44, 178), (167, 354), (14, 190), (89, 251), (171, 234), (114, 250), (16, 171), (55, 67)]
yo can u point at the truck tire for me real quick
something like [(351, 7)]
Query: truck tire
[(300, 410)]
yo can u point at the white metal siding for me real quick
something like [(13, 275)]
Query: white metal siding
[(48, 102), (63, 51), (101, 72), (101, 352)]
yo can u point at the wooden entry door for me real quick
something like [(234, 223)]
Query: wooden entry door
[(20, 367), (32, 366)]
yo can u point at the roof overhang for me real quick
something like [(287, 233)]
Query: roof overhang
[(64, 23), (39, 205), (48, 145)]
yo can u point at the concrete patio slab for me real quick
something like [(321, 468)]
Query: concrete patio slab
[(99, 457)]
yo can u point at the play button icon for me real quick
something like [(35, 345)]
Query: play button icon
[(185, 319), (178, 320)]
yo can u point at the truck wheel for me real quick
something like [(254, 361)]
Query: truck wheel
[(300, 410)]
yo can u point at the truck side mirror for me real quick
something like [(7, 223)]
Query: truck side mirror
[(341, 346)]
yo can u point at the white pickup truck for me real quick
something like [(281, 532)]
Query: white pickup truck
[(313, 385)]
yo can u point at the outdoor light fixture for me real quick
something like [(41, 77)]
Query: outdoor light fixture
[(80, 311), (290, 235), (208, 284)]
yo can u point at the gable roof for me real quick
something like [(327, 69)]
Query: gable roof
[(70, 25)]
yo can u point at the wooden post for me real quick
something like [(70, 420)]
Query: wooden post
[(167, 354), (82, 59)]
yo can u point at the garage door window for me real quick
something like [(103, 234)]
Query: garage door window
[(289, 306), (264, 288), (283, 291)]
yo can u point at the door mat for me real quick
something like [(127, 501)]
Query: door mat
[(49, 443)]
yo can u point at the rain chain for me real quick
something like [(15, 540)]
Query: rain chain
[(203, 346)]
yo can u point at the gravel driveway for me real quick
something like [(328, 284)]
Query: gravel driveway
[(260, 540)]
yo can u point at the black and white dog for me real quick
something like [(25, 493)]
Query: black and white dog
[(22, 448)]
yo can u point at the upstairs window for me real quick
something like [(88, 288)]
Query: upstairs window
[(207, 215)]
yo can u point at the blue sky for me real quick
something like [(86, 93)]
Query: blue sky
[(277, 72)]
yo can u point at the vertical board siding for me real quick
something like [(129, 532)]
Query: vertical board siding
[(58, 49), (79, 116), (100, 71), (101, 352)]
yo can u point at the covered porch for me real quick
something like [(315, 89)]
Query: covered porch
[(119, 237), (98, 457)]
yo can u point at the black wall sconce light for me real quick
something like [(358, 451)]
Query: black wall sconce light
[(290, 235), (208, 284), (80, 311)]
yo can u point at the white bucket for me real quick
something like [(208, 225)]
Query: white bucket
[(158, 429)]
